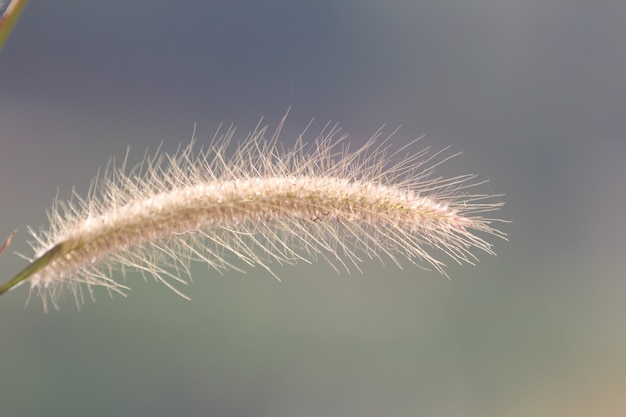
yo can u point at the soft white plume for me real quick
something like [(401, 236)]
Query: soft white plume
[(258, 205)]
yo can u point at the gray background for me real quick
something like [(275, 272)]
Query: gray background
[(534, 94)]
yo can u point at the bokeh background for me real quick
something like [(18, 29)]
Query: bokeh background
[(533, 93)]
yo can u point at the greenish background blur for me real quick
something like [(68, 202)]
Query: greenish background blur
[(534, 94)]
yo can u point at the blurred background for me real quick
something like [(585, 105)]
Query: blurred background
[(533, 93)]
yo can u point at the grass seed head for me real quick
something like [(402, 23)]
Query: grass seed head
[(258, 205)]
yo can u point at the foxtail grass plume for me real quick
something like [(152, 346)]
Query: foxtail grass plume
[(258, 205)]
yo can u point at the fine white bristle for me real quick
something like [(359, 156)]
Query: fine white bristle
[(258, 205)]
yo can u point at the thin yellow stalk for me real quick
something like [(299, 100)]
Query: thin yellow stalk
[(8, 19)]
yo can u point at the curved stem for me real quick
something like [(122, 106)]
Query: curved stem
[(8, 19), (34, 266)]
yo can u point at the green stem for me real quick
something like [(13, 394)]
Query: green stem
[(31, 269)]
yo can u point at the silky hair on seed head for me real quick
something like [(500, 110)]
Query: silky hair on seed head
[(260, 204)]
